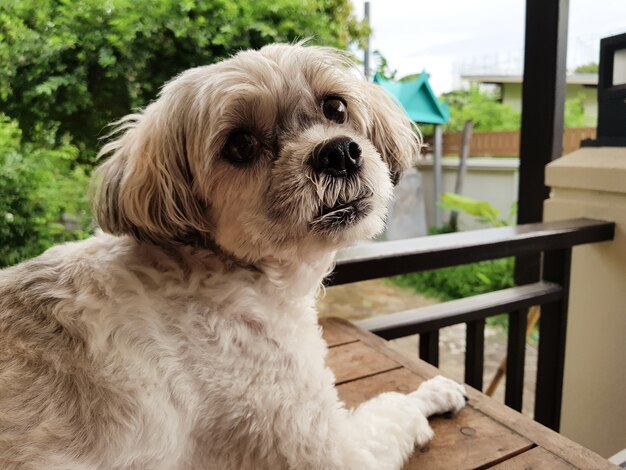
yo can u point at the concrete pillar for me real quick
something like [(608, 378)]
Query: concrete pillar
[(407, 214), (591, 182)]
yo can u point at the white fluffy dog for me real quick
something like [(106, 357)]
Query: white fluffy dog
[(185, 337)]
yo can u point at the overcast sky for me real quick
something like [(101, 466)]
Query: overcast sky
[(448, 37)]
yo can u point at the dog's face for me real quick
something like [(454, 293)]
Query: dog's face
[(273, 152)]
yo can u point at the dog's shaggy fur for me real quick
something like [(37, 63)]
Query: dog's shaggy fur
[(186, 335)]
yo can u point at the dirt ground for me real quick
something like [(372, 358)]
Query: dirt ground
[(379, 297)]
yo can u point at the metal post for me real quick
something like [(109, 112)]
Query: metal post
[(460, 176), (429, 347), (515, 358), (475, 353), (366, 52), (543, 103), (552, 335), (437, 172)]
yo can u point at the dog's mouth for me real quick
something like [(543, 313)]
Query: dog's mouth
[(339, 207), (342, 214)]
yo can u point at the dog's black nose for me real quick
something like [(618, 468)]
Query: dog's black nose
[(340, 156)]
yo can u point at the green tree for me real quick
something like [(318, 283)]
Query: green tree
[(76, 65), (489, 114), (575, 112), (383, 68), (43, 195), (591, 67), (481, 107)]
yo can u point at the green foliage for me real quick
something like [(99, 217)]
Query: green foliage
[(382, 67), (591, 67), (482, 211), (481, 107), (445, 228), (385, 71), (461, 281), (489, 114), (466, 280), (77, 65), (43, 195), (575, 112)]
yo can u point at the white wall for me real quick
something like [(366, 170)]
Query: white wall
[(494, 180)]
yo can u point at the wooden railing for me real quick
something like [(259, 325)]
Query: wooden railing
[(507, 143), (554, 240)]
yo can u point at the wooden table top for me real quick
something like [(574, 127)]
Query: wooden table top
[(485, 434)]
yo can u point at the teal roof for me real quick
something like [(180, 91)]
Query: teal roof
[(417, 98)]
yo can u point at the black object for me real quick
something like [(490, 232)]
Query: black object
[(611, 94), (543, 105), (439, 251)]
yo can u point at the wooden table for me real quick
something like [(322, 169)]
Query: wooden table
[(485, 434)]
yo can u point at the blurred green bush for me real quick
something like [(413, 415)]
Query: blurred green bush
[(77, 65), (461, 281), (43, 195), (488, 113), (481, 107)]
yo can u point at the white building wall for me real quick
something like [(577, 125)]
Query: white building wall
[(494, 180)]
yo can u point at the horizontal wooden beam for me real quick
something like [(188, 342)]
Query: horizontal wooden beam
[(434, 317), (385, 259)]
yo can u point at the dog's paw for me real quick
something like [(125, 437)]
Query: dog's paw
[(423, 432), (440, 395)]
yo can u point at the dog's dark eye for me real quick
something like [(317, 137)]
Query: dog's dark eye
[(335, 109), (241, 148)]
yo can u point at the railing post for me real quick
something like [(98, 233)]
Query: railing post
[(543, 104), (516, 349), (543, 101), (552, 335), (429, 347), (474, 353), (438, 173)]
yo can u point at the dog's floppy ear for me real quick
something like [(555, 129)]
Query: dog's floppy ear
[(145, 189), (392, 132)]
